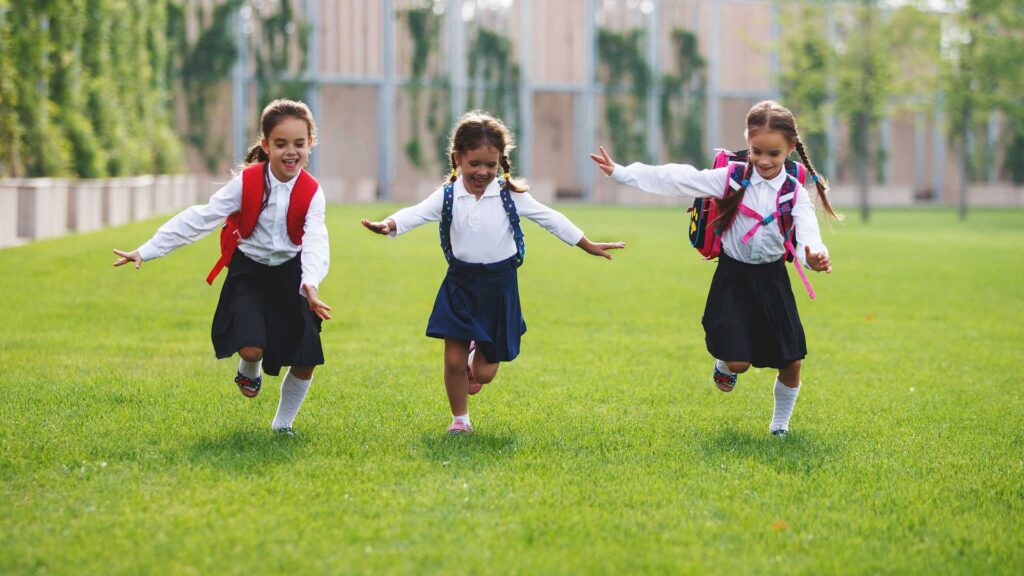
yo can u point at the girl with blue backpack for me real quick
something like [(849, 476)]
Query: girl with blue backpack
[(758, 216), (477, 310), (274, 244)]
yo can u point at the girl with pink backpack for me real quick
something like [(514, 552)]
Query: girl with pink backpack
[(760, 214)]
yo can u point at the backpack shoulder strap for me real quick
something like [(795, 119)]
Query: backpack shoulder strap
[(298, 205), (513, 220), (445, 228), (253, 182)]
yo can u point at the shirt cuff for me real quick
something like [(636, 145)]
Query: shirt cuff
[(619, 174), (148, 252), (302, 287)]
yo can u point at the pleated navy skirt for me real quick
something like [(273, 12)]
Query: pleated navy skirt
[(751, 315), (480, 302), (261, 306)]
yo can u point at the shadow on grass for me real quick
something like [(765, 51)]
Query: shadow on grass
[(482, 448), (797, 452), (245, 451)]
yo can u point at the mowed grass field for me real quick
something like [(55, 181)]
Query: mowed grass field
[(125, 448)]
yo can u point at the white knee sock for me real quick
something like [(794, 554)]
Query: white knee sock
[(785, 399), (250, 369), (293, 392)]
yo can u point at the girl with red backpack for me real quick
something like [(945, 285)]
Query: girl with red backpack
[(274, 243), (477, 310), (762, 213)]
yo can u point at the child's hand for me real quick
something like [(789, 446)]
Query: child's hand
[(384, 227), (818, 261), (604, 162), (316, 306), (600, 248), (126, 257)]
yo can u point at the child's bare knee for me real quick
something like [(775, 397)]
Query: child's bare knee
[(251, 353), (737, 366), (302, 372)]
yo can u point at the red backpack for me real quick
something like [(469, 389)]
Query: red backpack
[(707, 239), (241, 224)]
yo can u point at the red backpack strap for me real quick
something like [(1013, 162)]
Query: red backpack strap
[(241, 224), (298, 205), (253, 183)]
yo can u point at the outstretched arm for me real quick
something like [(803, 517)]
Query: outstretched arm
[(666, 179), (599, 248)]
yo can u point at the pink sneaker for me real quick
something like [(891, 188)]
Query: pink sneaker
[(474, 386), (458, 427)]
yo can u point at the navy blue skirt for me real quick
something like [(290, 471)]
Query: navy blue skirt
[(480, 302), (261, 306), (751, 315)]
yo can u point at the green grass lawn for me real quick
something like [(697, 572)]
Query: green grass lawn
[(605, 448)]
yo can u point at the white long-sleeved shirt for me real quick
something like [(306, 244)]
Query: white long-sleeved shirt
[(767, 243), (268, 244), (481, 233)]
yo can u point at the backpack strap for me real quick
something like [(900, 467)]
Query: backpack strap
[(254, 183), (445, 229), (513, 220), (298, 205), (241, 224)]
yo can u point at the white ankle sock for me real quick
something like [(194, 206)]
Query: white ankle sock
[(250, 369), (464, 419), (785, 399), (723, 368), (293, 392)]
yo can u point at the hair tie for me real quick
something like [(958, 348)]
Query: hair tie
[(746, 182), (507, 176), (814, 178), (455, 172)]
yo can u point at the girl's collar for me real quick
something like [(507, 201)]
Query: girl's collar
[(493, 189), (775, 182), (274, 179)]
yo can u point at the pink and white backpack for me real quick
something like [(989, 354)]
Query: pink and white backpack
[(707, 238)]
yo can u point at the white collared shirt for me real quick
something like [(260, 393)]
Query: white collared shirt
[(268, 244), (480, 232), (767, 244)]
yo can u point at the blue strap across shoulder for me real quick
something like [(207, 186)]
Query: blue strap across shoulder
[(445, 228)]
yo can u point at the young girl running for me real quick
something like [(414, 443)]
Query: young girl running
[(269, 310), (750, 318), (477, 310)]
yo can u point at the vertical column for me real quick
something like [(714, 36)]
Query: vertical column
[(920, 141), (773, 57), (239, 79), (993, 142), (831, 117), (714, 136), (386, 101), (313, 71), (525, 42), (938, 149), (885, 141), (584, 170), (456, 56), (653, 107)]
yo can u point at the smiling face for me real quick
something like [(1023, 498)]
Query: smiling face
[(288, 146), (768, 150), (478, 167)]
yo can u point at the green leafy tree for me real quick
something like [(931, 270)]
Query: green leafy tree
[(424, 28)]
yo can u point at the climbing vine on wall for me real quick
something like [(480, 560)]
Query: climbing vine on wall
[(683, 100), (492, 68), (281, 52), (424, 27), (626, 78)]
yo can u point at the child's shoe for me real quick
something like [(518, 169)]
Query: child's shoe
[(249, 387), (474, 386), (781, 432), (286, 431), (723, 380), (459, 427)]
